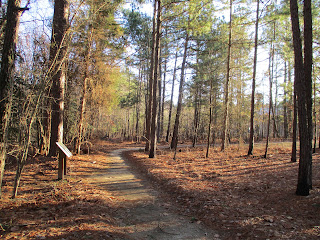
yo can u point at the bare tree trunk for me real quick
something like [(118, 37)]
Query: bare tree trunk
[(254, 82), (289, 113), (210, 119), (270, 99), (314, 118), (302, 79), (163, 96), (84, 92), (45, 146), (153, 135), (294, 127), (214, 119), (171, 100), (275, 106), (58, 51), (196, 116), (138, 104), (226, 89), (151, 80), (285, 103), (159, 97), (8, 57), (174, 141), (308, 56)]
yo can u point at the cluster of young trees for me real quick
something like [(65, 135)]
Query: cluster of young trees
[(210, 71)]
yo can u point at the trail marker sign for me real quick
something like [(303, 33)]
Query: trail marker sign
[(64, 153)]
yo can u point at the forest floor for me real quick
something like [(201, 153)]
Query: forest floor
[(246, 197), (237, 196), (100, 199)]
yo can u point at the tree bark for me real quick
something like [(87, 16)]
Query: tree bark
[(308, 56), (174, 141), (58, 52), (270, 98), (226, 89), (302, 79), (294, 127), (210, 118), (314, 119), (285, 103), (163, 97), (254, 82), (159, 97), (6, 77), (151, 80), (153, 136), (196, 116), (171, 100)]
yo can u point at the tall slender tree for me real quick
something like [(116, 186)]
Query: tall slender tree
[(155, 100), (171, 99), (58, 51), (8, 57), (174, 141), (151, 80), (254, 81), (303, 83), (226, 88)]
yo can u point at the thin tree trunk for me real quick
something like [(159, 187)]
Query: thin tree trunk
[(174, 141), (196, 116), (285, 112), (214, 119), (153, 135), (82, 112), (275, 106), (45, 147), (210, 119), (294, 127), (289, 113), (171, 100), (159, 97), (151, 80), (270, 99), (58, 51), (163, 96), (6, 77), (84, 93), (226, 89), (138, 105), (254, 82), (314, 118)]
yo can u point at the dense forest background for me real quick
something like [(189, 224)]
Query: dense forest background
[(213, 72)]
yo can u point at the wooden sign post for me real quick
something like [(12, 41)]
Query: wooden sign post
[(64, 153)]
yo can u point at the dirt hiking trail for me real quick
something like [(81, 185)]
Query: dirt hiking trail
[(143, 215)]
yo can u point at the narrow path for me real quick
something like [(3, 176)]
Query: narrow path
[(143, 215)]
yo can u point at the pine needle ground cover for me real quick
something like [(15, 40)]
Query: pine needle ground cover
[(69, 209), (247, 197)]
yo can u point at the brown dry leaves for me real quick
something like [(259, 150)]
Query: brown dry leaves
[(247, 197), (50, 209)]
